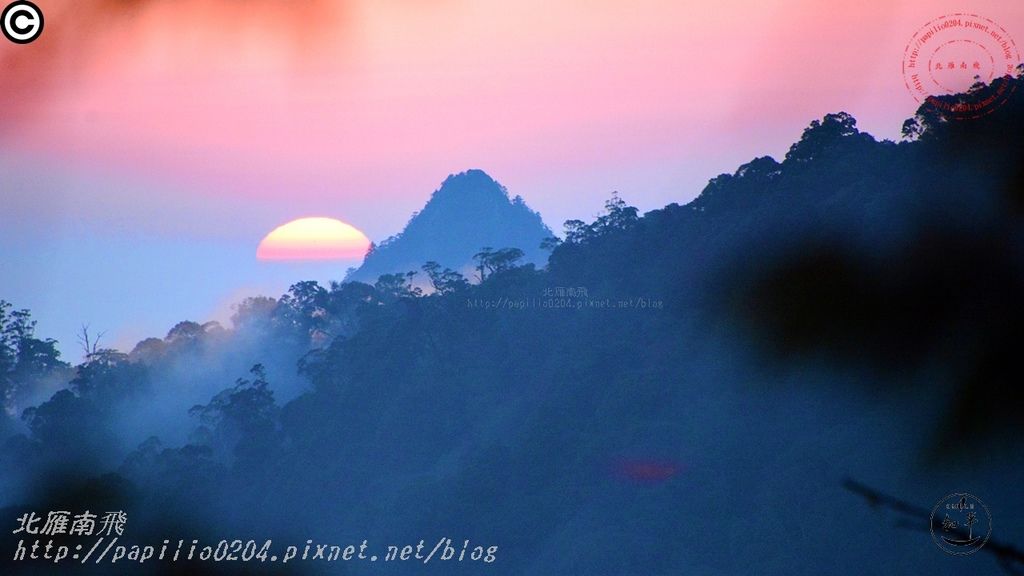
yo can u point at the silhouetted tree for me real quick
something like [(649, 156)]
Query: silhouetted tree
[(490, 261), (241, 421), (393, 286), (616, 217), (446, 280), (300, 313), (550, 243), (24, 359), (89, 343), (824, 135)]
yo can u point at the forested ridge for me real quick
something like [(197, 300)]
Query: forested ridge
[(851, 309)]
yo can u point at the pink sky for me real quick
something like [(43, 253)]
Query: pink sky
[(327, 107), (174, 134)]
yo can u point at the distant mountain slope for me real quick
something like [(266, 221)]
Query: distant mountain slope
[(853, 310), (468, 212)]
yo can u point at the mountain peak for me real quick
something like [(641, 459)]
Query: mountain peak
[(468, 211), (472, 182), (471, 176)]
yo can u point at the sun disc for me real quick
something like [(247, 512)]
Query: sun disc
[(315, 238)]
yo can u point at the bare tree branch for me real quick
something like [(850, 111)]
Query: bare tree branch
[(90, 344), (1010, 559)]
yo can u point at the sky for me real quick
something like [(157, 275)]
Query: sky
[(147, 146)]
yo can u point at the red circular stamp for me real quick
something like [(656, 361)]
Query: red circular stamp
[(961, 64)]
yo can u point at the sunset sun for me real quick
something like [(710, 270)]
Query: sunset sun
[(313, 239)]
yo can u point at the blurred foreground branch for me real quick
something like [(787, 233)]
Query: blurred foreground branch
[(1009, 557)]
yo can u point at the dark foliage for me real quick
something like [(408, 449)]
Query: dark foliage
[(581, 438)]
